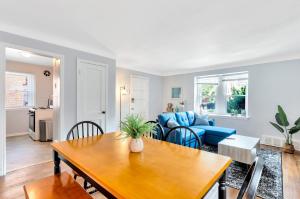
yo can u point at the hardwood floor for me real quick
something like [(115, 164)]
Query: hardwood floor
[(291, 175), (11, 185), (22, 151)]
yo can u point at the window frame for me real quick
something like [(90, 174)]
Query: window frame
[(33, 78), (222, 97)]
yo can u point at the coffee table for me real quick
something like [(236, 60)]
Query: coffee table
[(240, 148)]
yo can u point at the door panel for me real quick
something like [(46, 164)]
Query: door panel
[(91, 92), (139, 96)]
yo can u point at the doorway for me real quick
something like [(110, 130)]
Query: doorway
[(31, 106), (92, 92), (139, 96)]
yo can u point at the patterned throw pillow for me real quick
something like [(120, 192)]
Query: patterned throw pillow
[(172, 123), (201, 120)]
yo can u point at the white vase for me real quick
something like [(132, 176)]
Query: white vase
[(136, 145)]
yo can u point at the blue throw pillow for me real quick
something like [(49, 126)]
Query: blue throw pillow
[(164, 118), (182, 119), (201, 120), (172, 123), (191, 117)]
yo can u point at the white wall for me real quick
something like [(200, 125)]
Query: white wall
[(69, 71), (43, 84), (17, 120), (155, 93), (269, 85)]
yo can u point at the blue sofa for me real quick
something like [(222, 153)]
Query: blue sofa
[(210, 134)]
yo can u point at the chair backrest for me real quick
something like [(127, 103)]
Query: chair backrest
[(84, 129), (252, 179), (158, 131), (185, 136)]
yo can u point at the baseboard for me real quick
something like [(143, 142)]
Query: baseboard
[(277, 141), (16, 134)]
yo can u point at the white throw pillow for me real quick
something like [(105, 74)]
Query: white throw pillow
[(201, 120), (172, 123)]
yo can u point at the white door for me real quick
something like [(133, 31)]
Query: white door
[(91, 92), (139, 96)]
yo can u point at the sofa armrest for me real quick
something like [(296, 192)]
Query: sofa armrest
[(212, 122)]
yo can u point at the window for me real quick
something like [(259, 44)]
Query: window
[(224, 94), (236, 86), (19, 90), (206, 93)]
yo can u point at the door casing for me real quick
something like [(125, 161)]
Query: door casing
[(79, 61), (59, 112)]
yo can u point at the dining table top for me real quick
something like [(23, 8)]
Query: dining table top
[(161, 170)]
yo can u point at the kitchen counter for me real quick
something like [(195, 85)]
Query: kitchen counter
[(40, 114)]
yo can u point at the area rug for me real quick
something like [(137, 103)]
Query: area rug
[(270, 185)]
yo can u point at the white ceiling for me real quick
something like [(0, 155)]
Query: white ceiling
[(28, 57), (164, 36)]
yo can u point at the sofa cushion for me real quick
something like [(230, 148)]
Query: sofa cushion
[(172, 123), (191, 117), (166, 130), (181, 134), (198, 131), (164, 117), (182, 119), (201, 120), (217, 131), (214, 134)]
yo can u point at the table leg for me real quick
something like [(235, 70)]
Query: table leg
[(222, 186), (56, 162), (257, 148)]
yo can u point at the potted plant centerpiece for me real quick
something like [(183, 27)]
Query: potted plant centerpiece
[(282, 125), (135, 127)]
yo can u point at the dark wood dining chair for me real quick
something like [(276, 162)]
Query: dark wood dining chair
[(58, 186), (252, 179), (81, 130), (183, 135), (157, 132), (84, 129)]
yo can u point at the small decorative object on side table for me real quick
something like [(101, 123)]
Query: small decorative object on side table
[(135, 127), (282, 126), (170, 107)]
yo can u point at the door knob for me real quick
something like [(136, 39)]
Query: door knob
[(103, 112)]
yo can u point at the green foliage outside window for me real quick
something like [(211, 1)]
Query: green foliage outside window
[(237, 101), (208, 92)]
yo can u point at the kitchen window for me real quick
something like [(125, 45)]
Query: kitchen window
[(20, 90), (223, 94)]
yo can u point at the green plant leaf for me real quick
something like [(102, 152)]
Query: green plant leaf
[(294, 129), (297, 121), (279, 128), (134, 126), (278, 119), (282, 117)]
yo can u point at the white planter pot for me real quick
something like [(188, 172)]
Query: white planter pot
[(136, 145)]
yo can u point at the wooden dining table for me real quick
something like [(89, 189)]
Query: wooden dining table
[(162, 170)]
